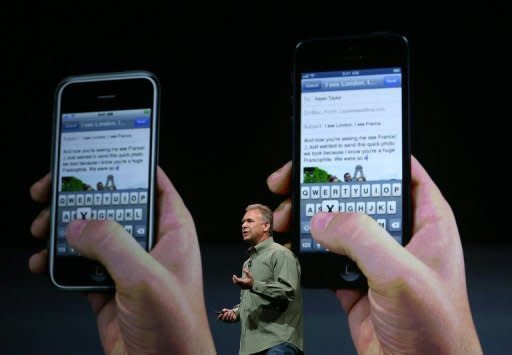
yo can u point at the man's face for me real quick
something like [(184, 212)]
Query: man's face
[(254, 227)]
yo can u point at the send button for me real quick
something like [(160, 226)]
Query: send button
[(141, 122)]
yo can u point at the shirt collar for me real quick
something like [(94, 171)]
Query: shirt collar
[(260, 246)]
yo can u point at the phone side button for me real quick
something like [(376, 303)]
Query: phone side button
[(350, 273)]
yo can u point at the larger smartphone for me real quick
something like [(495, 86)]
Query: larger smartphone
[(351, 150), (103, 166)]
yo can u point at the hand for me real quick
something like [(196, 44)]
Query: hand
[(158, 305), (417, 300), (227, 315), (244, 282)]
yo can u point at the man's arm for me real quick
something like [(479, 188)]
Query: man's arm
[(286, 279)]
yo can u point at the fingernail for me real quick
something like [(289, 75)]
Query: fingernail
[(278, 171), (274, 174), (75, 228), (320, 221), (281, 206)]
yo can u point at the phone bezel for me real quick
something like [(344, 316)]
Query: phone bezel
[(92, 93), (324, 270)]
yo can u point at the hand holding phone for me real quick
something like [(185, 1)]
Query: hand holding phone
[(351, 150), (399, 278), (156, 293)]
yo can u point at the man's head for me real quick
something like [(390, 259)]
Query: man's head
[(257, 223)]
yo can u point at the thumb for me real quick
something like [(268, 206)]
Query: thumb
[(378, 255), (110, 244)]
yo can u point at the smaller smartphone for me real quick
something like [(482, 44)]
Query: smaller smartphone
[(351, 144), (104, 159)]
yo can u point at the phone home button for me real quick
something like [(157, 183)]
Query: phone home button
[(350, 273), (98, 274)]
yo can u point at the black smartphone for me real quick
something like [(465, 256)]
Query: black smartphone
[(351, 144), (104, 159)]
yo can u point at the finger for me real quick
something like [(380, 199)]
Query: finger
[(434, 228), (40, 227), (348, 298), (429, 203), (357, 309), (111, 245), (40, 190), (38, 263), (279, 181), (177, 245), (248, 273), (362, 239), (282, 216), (98, 301)]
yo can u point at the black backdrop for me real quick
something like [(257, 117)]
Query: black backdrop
[(225, 74)]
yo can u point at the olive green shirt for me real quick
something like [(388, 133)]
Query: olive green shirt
[(271, 312)]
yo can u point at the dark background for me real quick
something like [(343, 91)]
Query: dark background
[(225, 75)]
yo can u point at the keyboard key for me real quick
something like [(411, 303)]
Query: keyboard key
[(326, 191), (98, 199), (66, 216), (330, 206), (128, 214), (355, 190), (310, 209), (370, 207), (129, 228), (335, 191), (107, 197), (125, 198), (391, 207), (395, 224), (366, 190), (62, 200), (397, 189), (120, 215), (304, 192), (84, 213), (116, 198), (315, 192)]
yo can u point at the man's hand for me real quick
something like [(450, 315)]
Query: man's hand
[(158, 305), (244, 282), (417, 301), (227, 315)]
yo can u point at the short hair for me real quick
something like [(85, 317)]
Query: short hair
[(266, 213)]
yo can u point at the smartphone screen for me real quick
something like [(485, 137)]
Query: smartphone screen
[(353, 154), (104, 166)]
